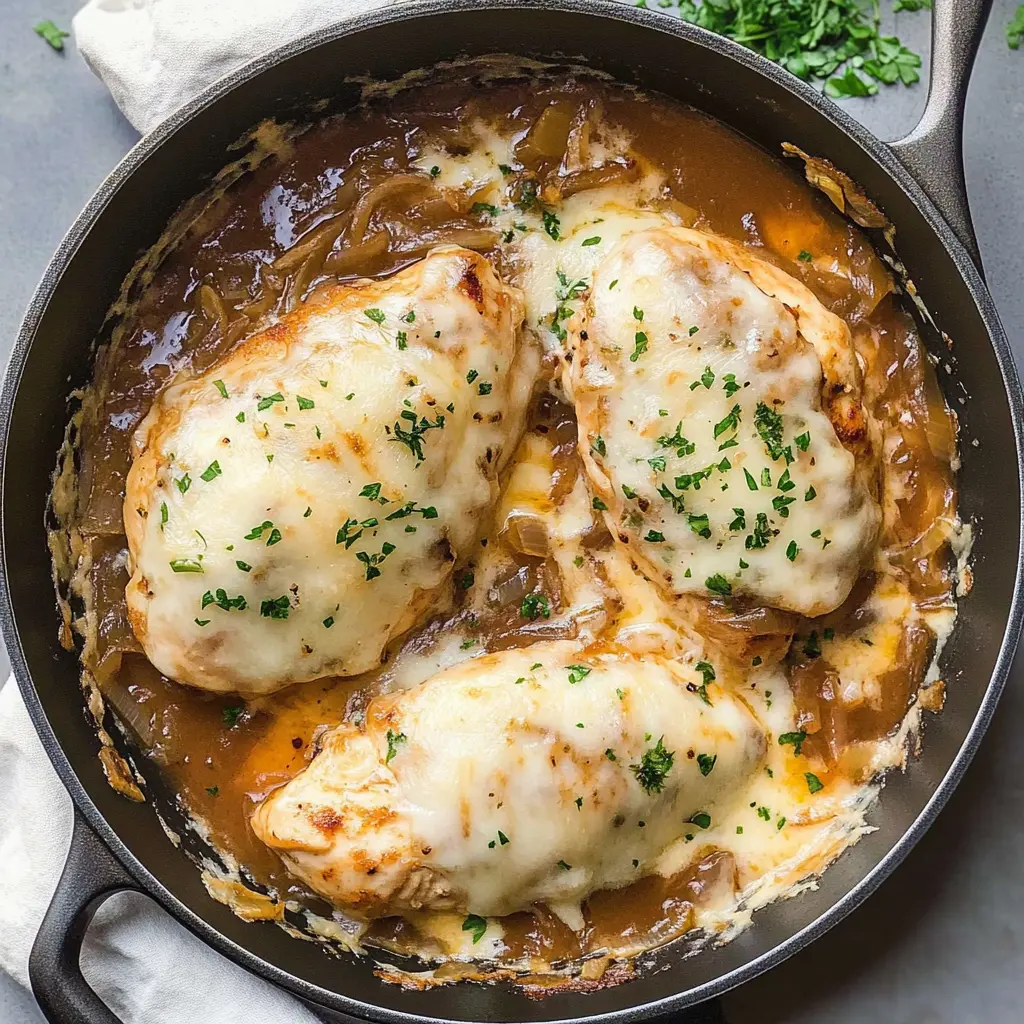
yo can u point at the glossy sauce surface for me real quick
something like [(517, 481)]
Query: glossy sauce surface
[(345, 199)]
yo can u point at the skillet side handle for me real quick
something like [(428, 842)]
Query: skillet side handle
[(91, 874), (933, 151)]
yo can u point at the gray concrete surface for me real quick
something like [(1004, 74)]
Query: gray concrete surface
[(942, 942)]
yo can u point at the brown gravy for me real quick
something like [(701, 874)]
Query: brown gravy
[(303, 217)]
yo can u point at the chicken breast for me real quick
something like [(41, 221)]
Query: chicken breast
[(533, 775), (291, 510), (721, 424)]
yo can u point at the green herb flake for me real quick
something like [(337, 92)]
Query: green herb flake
[(535, 606), (796, 739), (803, 441), (266, 403), (813, 782), (231, 715), (394, 739), (276, 608), (577, 673), (211, 471), (654, 766), (305, 403), (718, 584), (52, 34), (220, 386), (702, 819), (475, 924), (186, 565), (594, 240), (376, 315), (706, 762)]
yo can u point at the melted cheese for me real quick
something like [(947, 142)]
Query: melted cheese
[(304, 500), (511, 779), (698, 394)]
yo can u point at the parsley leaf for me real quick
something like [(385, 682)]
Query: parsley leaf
[(654, 766)]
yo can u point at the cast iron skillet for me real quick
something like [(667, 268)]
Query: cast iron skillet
[(118, 845)]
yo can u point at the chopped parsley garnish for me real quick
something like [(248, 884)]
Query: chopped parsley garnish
[(502, 838), (213, 790), (186, 565), (201, 622), (475, 924), (184, 483), (266, 403), (53, 35), (768, 424), (682, 445), (221, 600), (810, 494), (598, 446), (305, 403), (599, 505), (740, 522), (729, 384), (781, 505), (701, 819), (535, 606), (219, 385), (329, 621), (718, 584), (676, 500), (794, 738), (813, 782), (231, 715), (610, 754), (484, 387), (274, 538), (785, 482), (802, 441), (707, 671), (804, 256), (762, 533), (240, 417), (729, 422), (394, 738), (764, 814), (628, 491), (276, 608), (707, 378), (699, 525), (594, 240), (639, 346), (792, 550), (657, 463), (435, 171), (211, 471), (706, 762), (466, 580), (551, 223), (163, 513), (751, 482), (487, 208), (577, 672), (410, 508), (471, 376), (655, 537), (371, 491), (654, 766), (412, 437), (812, 648), (372, 562), (376, 315), (564, 866)]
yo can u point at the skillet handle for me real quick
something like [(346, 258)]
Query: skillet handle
[(933, 151), (91, 874)]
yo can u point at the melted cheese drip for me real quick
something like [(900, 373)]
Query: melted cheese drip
[(684, 367), (512, 779), (281, 478)]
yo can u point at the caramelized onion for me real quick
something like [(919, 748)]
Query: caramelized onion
[(319, 240), (547, 140), (369, 201), (350, 258), (747, 633), (614, 173), (528, 535)]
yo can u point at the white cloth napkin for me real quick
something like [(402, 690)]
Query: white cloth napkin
[(154, 55), (148, 968)]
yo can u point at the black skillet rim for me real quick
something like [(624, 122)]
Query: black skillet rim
[(609, 9)]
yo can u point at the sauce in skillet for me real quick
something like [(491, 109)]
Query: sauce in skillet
[(360, 195)]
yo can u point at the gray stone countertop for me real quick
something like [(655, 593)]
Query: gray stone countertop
[(942, 941)]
